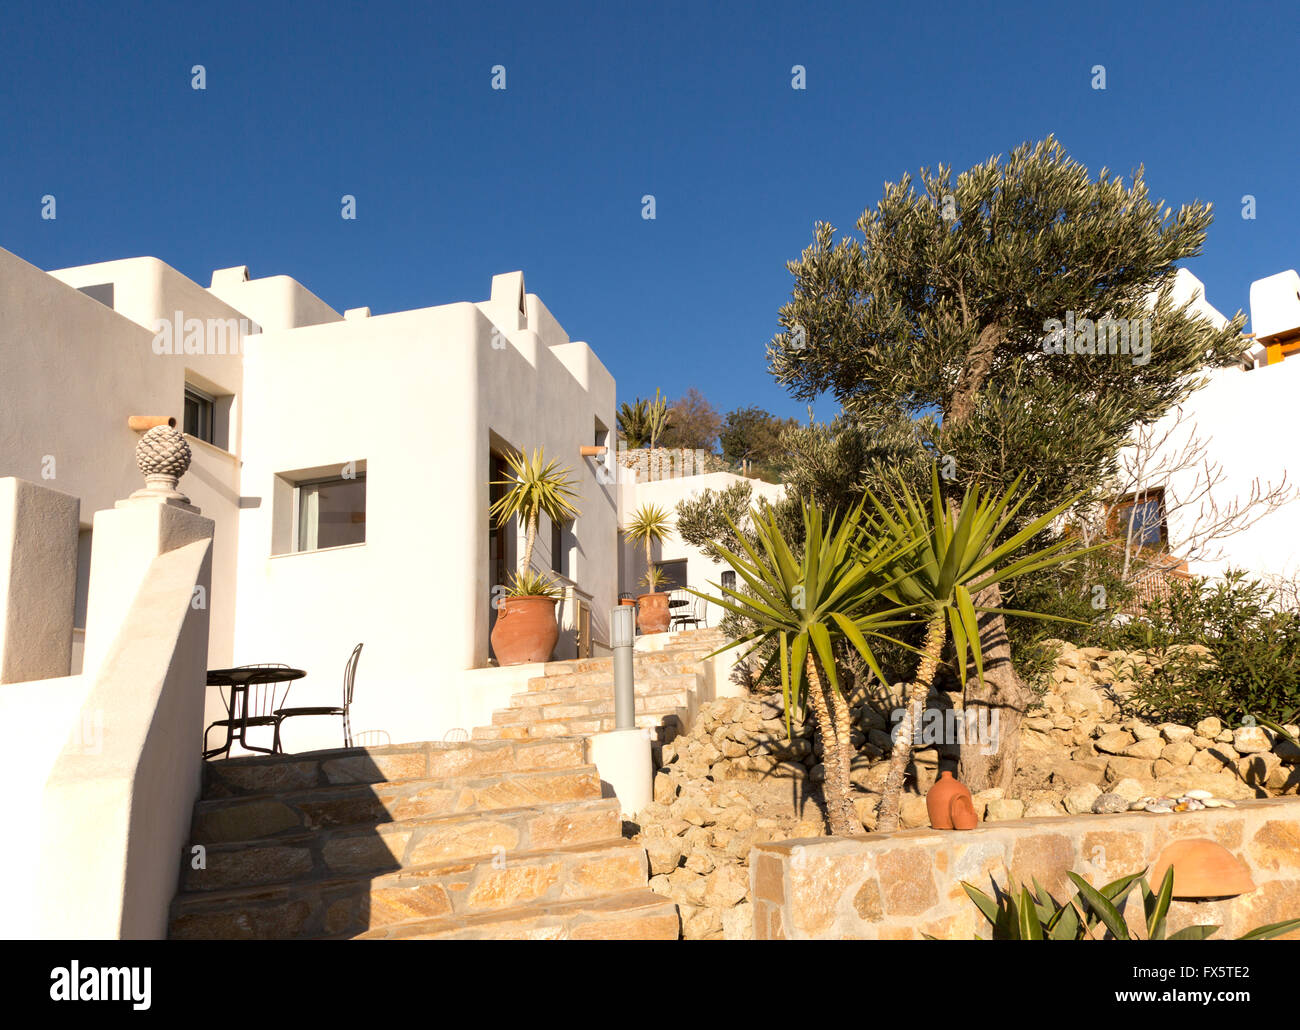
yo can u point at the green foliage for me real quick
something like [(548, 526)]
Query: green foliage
[(642, 422), (538, 487), (1093, 912), (649, 524), (930, 321), (715, 517), (531, 583), (1220, 648), (653, 578), (750, 437), (804, 604)]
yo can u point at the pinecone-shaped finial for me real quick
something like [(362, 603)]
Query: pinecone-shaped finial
[(163, 456)]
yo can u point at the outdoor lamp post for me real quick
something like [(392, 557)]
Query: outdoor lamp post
[(622, 633)]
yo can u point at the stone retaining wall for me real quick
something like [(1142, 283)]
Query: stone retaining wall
[(901, 885)]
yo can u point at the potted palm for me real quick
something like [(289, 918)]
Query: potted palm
[(648, 526), (526, 629)]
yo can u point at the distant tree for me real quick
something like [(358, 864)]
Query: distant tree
[(751, 438), (948, 316), (692, 423)]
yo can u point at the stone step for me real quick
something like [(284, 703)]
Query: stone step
[(593, 695), (348, 906), (253, 818), (641, 674), (386, 847), (630, 916), (642, 659), (664, 727), (648, 704), (431, 760)]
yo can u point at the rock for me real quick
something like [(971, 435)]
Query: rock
[(1256, 769), (660, 885), (727, 887), (1210, 728), (1199, 742), (1143, 731), (665, 789), (1043, 808), (1286, 750), (1005, 809), (1115, 742), (1129, 789), (1251, 740), (1175, 733), (700, 862), (1149, 749), (1179, 752), (813, 827), (664, 854), (738, 922), (1109, 804), (1224, 737), (912, 812), (1125, 768), (1081, 798)]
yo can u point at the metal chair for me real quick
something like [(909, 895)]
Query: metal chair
[(258, 705), (349, 680), (694, 612)]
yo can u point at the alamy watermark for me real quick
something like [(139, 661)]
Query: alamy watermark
[(181, 335), (971, 730), (1105, 336)]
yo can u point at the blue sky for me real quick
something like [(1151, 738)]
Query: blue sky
[(392, 103)]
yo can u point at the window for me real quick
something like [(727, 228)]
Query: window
[(1142, 519), (331, 513), (559, 549), (674, 574), (199, 409), (729, 580)]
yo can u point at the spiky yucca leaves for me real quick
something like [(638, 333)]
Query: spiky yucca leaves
[(643, 422), (538, 487), (961, 551), (805, 604), (532, 584), (649, 525), (1094, 911)]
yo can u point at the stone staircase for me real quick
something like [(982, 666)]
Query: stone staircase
[(479, 840), (505, 836), (576, 697)]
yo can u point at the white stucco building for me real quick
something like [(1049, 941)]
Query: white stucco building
[(1228, 442), (344, 458)]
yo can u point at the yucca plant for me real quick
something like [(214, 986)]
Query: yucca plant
[(643, 422), (962, 551), (653, 578), (806, 605), (1093, 911), (649, 525), (537, 487), (530, 583)]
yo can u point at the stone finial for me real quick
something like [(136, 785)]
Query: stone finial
[(163, 456)]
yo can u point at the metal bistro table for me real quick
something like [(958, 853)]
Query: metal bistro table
[(252, 703)]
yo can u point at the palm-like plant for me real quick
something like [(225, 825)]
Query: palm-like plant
[(963, 550), (649, 525), (806, 606), (643, 422), (537, 487)]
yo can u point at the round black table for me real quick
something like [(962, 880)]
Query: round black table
[(238, 718)]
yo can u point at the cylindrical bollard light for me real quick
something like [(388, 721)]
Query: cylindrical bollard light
[(622, 634)]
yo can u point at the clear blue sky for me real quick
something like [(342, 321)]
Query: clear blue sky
[(606, 102)]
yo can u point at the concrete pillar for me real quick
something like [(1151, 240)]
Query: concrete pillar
[(622, 760), (38, 580)]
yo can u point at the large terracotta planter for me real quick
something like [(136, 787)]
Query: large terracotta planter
[(949, 804), (652, 615), (525, 631), (1202, 869)]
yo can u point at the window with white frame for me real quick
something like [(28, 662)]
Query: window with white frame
[(330, 512)]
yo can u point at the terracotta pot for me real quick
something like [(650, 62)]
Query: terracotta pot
[(962, 810), (940, 799), (626, 601), (1202, 869), (525, 630), (653, 614)]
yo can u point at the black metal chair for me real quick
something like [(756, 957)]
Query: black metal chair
[(258, 705), (349, 680), (693, 612)]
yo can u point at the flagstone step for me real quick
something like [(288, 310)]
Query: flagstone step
[(347, 906), (648, 704), (683, 686), (256, 817), (432, 760), (665, 727), (676, 671), (354, 850), (631, 916)]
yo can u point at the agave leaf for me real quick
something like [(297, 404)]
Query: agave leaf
[(1099, 904), (1263, 933), (1192, 933)]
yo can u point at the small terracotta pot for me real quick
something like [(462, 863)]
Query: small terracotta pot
[(653, 614), (626, 602), (939, 802), (525, 630), (962, 810)]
